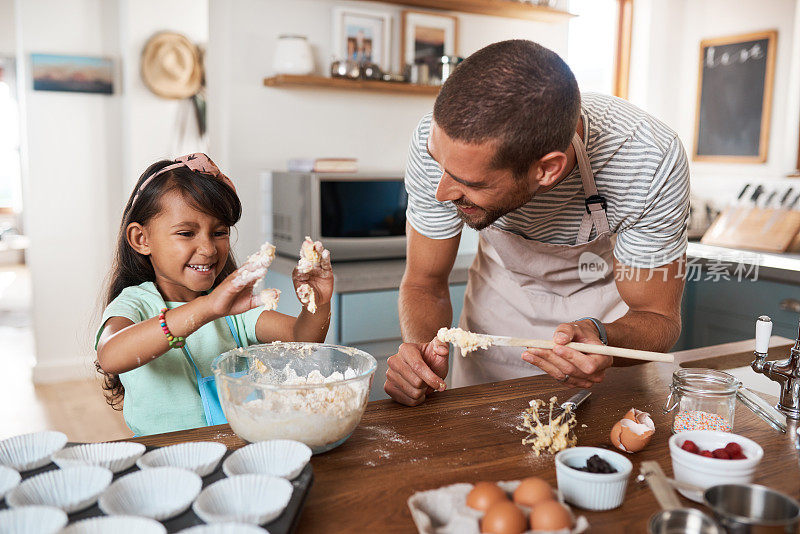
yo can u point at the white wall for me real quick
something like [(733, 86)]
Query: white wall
[(151, 122), (664, 76), (84, 152), (255, 128), (7, 33), (73, 153)]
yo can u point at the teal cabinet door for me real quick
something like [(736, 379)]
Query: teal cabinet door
[(721, 311), (374, 315)]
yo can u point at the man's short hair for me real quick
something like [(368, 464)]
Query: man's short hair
[(516, 93)]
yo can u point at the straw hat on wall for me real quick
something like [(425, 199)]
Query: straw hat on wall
[(172, 66)]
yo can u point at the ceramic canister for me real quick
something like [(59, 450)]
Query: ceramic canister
[(293, 56)]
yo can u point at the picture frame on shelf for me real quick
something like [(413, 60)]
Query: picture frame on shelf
[(362, 35), (73, 74), (426, 37)]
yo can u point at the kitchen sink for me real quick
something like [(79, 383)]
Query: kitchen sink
[(738, 364)]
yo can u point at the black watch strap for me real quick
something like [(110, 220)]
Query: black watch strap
[(601, 328)]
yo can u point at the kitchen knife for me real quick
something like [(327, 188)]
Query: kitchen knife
[(728, 215), (575, 401), (777, 215), (753, 205)]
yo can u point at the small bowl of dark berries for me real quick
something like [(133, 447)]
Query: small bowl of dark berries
[(592, 478), (708, 458)]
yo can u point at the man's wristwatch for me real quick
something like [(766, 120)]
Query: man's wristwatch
[(601, 329)]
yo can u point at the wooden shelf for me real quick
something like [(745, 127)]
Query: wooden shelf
[(288, 80), (496, 8)]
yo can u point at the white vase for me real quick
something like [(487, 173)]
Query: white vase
[(293, 56)]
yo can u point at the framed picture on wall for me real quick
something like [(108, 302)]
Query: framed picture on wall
[(734, 98), (362, 35), (426, 37), (74, 74)]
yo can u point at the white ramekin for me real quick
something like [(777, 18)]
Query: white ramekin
[(706, 472), (592, 491)]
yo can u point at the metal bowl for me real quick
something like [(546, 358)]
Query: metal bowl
[(265, 394), (683, 521), (750, 508)]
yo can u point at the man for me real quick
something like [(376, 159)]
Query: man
[(581, 202)]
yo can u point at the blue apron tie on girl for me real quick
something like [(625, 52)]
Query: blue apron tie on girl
[(207, 386)]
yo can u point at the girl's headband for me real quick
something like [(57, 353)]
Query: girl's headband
[(197, 162)]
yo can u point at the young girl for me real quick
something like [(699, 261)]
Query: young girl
[(173, 253)]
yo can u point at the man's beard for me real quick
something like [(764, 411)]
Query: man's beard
[(486, 216)]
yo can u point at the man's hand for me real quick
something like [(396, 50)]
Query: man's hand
[(417, 370), (568, 365)]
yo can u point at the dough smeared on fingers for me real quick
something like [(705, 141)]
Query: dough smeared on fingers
[(256, 266), (269, 298), (310, 259), (306, 296), (465, 340)]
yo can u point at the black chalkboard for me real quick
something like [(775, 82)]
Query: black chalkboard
[(735, 90)]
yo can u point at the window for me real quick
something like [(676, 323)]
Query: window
[(10, 186), (599, 45)]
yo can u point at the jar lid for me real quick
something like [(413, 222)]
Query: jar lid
[(705, 381)]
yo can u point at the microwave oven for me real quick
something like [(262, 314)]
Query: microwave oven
[(357, 216)]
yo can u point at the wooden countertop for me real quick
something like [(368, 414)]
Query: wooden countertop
[(468, 434)]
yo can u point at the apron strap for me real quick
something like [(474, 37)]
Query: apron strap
[(595, 211), (233, 331), (188, 355)]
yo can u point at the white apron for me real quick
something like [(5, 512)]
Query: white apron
[(524, 288)]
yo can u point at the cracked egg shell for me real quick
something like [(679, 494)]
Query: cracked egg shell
[(633, 432)]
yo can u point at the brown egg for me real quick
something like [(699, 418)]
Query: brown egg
[(484, 495), (633, 432), (531, 491), (550, 515), (504, 518)]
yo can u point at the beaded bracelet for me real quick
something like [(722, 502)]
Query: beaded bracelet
[(175, 342)]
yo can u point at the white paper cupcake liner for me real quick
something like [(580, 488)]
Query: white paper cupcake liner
[(224, 528), (31, 451), (254, 499), (32, 520), (201, 457), (158, 493), (118, 524), (279, 457), (72, 489), (114, 456), (9, 479)]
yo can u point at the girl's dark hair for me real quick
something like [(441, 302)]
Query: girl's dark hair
[(205, 193)]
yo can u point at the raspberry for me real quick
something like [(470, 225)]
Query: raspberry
[(690, 447), (739, 456), (722, 454), (733, 448), (707, 454)]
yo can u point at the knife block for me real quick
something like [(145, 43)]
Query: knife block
[(768, 230)]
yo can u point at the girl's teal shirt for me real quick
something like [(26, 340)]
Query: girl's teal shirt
[(162, 396)]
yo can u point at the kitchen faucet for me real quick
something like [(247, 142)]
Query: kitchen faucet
[(784, 372)]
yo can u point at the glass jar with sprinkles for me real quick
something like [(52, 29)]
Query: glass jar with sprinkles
[(702, 399)]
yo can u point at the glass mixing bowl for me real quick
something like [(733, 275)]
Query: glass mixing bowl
[(310, 392)]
